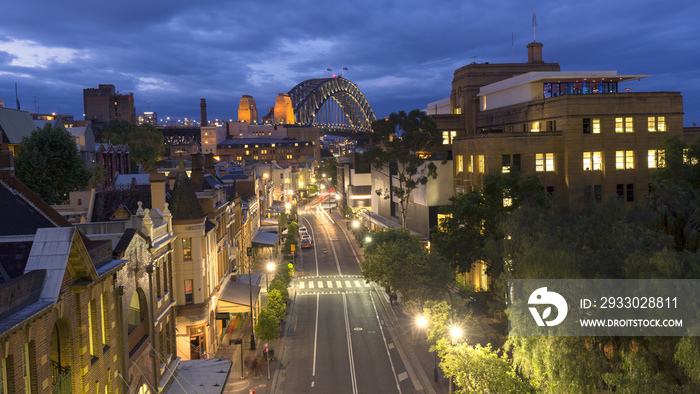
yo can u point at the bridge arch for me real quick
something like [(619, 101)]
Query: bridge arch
[(331, 103)]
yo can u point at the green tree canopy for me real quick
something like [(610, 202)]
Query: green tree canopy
[(472, 228), (398, 260), (49, 163), (267, 327), (406, 146), (145, 141)]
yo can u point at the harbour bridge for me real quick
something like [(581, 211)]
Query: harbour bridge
[(335, 105)]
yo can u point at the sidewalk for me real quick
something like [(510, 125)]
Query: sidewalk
[(240, 378)]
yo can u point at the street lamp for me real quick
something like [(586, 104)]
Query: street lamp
[(355, 223), (422, 323), (270, 269), (368, 239), (455, 334)]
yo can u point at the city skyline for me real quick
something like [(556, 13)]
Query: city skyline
[(401, 56)]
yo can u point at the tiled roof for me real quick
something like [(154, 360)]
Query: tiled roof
[(183, 202), (107, 202), (23, 217), (16, 124)]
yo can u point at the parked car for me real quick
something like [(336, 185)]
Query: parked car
[(306, 243)]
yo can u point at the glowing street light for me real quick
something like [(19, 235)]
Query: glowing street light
[(270, 269), (355, 223), (422, 321), (368, 239)]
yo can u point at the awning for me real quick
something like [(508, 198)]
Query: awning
[(235, 298), (263, 238)]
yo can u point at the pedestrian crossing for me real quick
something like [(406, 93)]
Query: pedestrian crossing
[(316, 284)]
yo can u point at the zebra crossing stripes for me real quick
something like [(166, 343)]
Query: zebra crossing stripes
[(331, 283)]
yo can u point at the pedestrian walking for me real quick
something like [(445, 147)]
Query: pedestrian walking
[(247, 365)]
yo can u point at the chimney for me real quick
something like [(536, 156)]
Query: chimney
[(197, 177), (534, 52), (203, 108), (7, 167), (209, 164), (157, 190)]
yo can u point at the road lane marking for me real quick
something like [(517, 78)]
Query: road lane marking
[(313, 373), (381, 329), (350, 355), (403, 376)]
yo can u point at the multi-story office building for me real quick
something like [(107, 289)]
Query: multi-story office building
[(582, 133)]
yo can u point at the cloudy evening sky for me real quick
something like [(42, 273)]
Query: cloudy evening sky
[(401, 54)]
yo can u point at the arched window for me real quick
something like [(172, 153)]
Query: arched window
[(135, 313)]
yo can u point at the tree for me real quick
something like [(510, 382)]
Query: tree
[(407, 146), (397, 260), (146, 143), (329, 169), (472, 230), (277, 303), (49, 163), (267, 326)]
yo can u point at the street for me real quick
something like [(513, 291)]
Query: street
[(337, 336)]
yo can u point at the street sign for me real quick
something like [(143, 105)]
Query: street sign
[(293, 248), (265, 348)]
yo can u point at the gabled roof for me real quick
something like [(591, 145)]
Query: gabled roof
[(19, 216), (108, 202), (40, 123), (15, 124), (183, 202), (57, 250)]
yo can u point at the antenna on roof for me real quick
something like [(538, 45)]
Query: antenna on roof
[(534, 25)]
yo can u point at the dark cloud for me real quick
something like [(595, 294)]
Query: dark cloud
[(402, 54)]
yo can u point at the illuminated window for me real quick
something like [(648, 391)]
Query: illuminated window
[(596, 126), (544, 162), (458, 111), (655, 124), (289, 156), (255, 157), (619, 122), (470, 165), (105, 319), (460, 164), (187, 248), (189, 293), (624, 159), (26, 369), (481, 164), (592, 161), (619, 160), (239, 158), (245, 146), (91, 334), (296, 144), (629, 127), (257, 146), (506, 164), (535, 127), (3, 376), (247, 153), (273, 145), (656, 158), (587, 165), (448, 136), (629, 159)]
